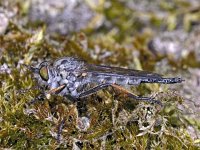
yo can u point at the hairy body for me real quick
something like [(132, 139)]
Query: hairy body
[(69, 76)]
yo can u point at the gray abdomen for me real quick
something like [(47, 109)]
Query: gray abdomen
[(120, 80)]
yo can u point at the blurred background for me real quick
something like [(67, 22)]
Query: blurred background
[(154, 35)]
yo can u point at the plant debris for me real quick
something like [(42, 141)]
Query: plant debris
[(117, 33)]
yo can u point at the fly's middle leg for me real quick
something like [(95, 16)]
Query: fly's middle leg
[(93, 90), (60, 128)]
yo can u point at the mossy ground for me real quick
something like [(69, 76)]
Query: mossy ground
[(116, 122)]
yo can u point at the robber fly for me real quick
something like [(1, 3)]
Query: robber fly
[(69, 76)]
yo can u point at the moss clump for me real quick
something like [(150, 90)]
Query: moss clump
[(115, 121)]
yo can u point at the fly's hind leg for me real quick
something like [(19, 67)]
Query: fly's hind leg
[(102, 86), (129, 94)]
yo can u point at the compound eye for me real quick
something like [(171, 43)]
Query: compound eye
[(44, 73)]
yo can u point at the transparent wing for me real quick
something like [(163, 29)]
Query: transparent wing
[(116, 75), (117, 71)]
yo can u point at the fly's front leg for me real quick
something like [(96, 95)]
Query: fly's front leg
[(38, 98), (47, 94), (56, 90)]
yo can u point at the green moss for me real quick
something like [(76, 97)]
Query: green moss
[(117, 122)]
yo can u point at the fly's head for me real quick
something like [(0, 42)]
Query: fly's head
[(43, 73)]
